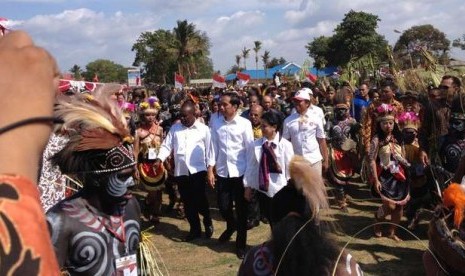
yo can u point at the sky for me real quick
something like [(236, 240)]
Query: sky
[(80, 31)]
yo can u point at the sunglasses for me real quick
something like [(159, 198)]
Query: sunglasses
[(444, 87)]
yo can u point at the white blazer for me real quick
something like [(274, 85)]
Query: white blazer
[(283, 151)]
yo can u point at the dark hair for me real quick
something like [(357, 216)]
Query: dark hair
[(296, 202), (395, 132), (259, 97), (372, 92), (273, 118), (233, 98), (390, 83), (456, 81), (188, 103), (311, 252)]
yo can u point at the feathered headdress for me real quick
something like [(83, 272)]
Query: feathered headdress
[(152, 105), (408, 120), (310, 183), (340, 99), (454, 197), (305, 192), (384, 112), (99, 137)]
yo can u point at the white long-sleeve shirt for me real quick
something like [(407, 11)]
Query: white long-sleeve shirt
[(229, 144), (190, 146), (303, 132), (283, 152)]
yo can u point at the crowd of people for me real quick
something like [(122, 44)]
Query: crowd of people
[(265, 149)]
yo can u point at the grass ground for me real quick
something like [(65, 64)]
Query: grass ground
[(380, 256)]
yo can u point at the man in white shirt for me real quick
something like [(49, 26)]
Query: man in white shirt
[(189, 140), (231, 137), (305, 130)]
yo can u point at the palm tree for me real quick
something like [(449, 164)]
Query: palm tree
[(238, 61), (189, 46), (245, 55), (256, 48), (266, 60), (77, 71)]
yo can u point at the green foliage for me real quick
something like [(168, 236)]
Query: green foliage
[(276, 61), (163, 52), (77, 72), (266, 59), (257, 47), (245, 55), (154, 51), (354, 38), (238, 60), (106, 70), (318, 50), (459, 42), (408, 48), (234, 69)]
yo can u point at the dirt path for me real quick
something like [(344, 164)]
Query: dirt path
[(381, 256)]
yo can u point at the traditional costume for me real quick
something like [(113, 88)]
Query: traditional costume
[(52, 184), (342, 150), (148, 139), (409, 123), (454, 143), (391, 165), (96, 231), (299, 244), (447, 235)]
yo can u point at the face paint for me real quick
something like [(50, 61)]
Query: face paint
[(409, 136), (340, 114), (118, 185), (457, 125)]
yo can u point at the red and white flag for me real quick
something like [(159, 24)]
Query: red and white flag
[(66, 84), (219, 81), (309, 77), (242, 79), (178, 81)]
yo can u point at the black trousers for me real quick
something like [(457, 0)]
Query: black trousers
[(265, 206), (253, 208), (193, 195), (231, 190)]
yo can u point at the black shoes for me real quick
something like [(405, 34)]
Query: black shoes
[(226, 235), (192, 236), (209, 231), (240, 253), (252, 223)]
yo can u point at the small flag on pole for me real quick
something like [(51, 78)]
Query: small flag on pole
[(219, 81), (178, 81), (309, 77), (243, 79)]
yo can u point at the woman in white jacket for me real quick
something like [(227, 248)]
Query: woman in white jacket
[(268, 160)]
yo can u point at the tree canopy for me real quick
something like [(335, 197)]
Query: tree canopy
[(354, 38), (163, 52), (422, 36), (106, 70), (459, 42)]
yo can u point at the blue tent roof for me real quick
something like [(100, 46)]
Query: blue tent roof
[(287, 69)]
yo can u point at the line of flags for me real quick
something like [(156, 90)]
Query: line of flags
[(219, 81)]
